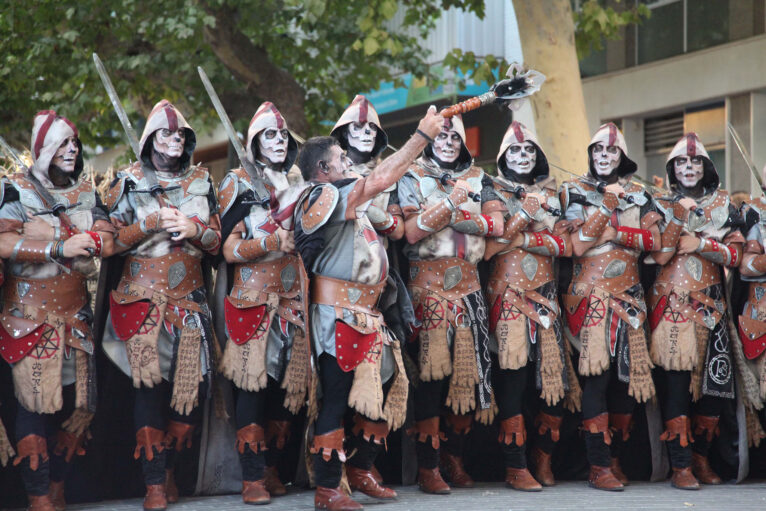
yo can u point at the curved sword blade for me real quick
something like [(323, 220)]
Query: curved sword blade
[(227, 125), (13, 154), (117, 105)]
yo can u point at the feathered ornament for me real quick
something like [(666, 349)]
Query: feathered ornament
[(520, 84)]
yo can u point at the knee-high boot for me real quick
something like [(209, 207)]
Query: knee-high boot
[(597, 441), (513, 439)]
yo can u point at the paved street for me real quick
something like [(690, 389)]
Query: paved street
[(493, 496)]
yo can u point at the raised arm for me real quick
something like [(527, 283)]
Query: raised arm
[(393, 168)]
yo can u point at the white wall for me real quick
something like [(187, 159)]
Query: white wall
[(672, 83)]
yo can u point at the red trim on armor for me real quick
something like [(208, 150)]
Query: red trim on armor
[(733, 254), (656, 315), (40, 140), (490, 223), (614, 323), (632, 236), (559, 243), (97, 240), (391, 229)]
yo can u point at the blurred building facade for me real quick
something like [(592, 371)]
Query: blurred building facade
[(694, 65)]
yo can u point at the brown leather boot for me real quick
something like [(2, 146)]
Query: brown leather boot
[(602, 478), (363, 481), (68, 444), (617, 471), (155, 499), (39, 503), (543, 472), (334, 499), (683, 479), (273, 484), (376, 474), (456, 473), (620, 424), (254, 492), (179, 435), (458, 426), (430, 481), (705, 428), (56, 493), (521, 479), (171, 490), (702, 469)]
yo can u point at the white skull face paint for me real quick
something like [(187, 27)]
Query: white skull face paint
[(446, 145), (170, 143), (689, 171), (605, 158), (361, 136), (521, 157), (272, 146), (66, 155)]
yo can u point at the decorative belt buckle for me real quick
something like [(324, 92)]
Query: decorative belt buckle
[(176, 274), (287, 276), (190, 320), (452, 277)]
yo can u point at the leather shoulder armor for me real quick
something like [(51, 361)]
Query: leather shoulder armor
[(197, 182), (28, 196), (317, 206), (228, 191)]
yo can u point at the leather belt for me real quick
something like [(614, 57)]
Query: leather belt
[(450, 277), (523, 269), (176, 274), (614, 271), (690, 271), (346, 294), (63, 295), (280, 276)]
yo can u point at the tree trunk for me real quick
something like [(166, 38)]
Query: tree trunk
[(546, 30), (263, 80)]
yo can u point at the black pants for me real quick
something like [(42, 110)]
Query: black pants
[(152, 409), (36, 482), (336, 386), (605, 393), (676, 401), (510, 387), (258, 408)]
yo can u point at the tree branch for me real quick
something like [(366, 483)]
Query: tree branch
[(252, 65)]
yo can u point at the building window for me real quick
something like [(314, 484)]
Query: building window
[(662, 34), (707, 24), (676, 27)]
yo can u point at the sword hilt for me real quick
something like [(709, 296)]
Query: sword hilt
[(521, 193), (446, 179)]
